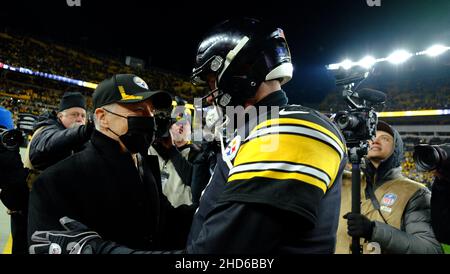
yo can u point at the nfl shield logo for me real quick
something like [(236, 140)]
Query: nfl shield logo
[(388, 199)]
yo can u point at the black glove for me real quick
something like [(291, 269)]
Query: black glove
[(87, 129), (76, 239), (359, 225), (165, 152)]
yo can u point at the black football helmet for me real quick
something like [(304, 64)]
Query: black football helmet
[(241, 54)]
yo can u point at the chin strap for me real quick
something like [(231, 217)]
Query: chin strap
[(218, 132)]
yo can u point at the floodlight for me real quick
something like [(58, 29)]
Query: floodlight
[(399, 56), (435, 50), (346, 64), (367, 62)]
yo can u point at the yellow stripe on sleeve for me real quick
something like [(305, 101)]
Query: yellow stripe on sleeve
[(279, 175), (281, 121), (290, 148)]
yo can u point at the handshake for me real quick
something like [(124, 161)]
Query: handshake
[(76, 239)]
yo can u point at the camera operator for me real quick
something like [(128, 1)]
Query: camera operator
[(395, 211), (437, 158), (440, 207), (13, 188)]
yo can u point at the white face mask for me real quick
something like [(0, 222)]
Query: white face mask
[(180, 135), (212, 117), (215, 122)]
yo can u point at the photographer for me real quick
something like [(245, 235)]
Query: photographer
[(437, 158), (176, 154), (395, 210), (440, 207), (13, 189)]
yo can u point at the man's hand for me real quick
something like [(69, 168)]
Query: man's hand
[(87, 129), (76, 239), (359, 225)]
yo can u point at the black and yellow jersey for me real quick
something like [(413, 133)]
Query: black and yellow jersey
[(276, 187), (290, 161)]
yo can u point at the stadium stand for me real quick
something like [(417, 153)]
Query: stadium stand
[(49, 57)]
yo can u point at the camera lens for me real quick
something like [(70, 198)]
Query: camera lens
[(426, 157), (11, 139), (347, 122), (342, 121)]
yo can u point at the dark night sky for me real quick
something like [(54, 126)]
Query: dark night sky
[(167, 32)]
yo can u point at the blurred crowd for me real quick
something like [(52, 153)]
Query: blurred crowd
[(409, 170), (48, 57)]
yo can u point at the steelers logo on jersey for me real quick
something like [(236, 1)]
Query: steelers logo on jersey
[(233, 147)]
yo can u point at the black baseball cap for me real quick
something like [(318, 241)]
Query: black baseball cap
[(128, 89), (383, 126)]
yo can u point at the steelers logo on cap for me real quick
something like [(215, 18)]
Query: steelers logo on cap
[(138, 81)]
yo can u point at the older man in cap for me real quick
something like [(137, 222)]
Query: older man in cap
[(56, 136), (112, 185)]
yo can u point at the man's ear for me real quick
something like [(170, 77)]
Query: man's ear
[(100, 116), (59, 115)]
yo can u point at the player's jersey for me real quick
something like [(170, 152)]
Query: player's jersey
[(291, 160)]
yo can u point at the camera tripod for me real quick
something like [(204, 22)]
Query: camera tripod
[(356, 152)]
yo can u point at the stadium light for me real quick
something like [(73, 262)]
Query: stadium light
[(399, 56), (435, 50), (346, 64), (333, 66), (367, 62), (396, 57)]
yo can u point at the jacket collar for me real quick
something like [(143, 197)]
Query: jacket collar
[(48, 119), (108, 147)]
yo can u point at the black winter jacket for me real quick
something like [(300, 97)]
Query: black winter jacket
[(416, 234), (101, 187), (55, 142), (440, 209)]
